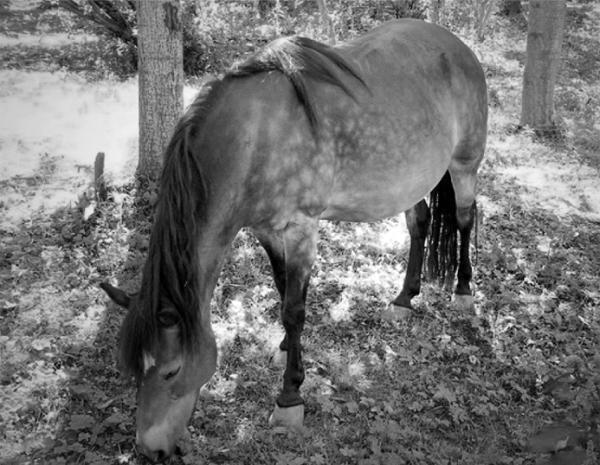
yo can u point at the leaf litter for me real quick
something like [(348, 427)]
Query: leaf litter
[(517, 383)]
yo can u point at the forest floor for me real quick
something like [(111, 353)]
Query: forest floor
[(517, 382)]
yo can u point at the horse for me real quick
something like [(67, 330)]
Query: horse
[(300, 132)]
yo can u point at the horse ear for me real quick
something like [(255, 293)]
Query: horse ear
[(117, 295)]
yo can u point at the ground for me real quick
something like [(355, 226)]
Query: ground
[(515, 382)]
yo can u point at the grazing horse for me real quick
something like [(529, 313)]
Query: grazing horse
[(298, 133)]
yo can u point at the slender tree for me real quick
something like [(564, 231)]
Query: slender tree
[(435, 11), (326, 20), (544, 42), (483, 10), (160, 64), (511, 7)]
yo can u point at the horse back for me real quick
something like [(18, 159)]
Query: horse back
[(382, 142)]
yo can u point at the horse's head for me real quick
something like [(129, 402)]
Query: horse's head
[(168, 374)]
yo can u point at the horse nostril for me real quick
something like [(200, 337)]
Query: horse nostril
[(160, 455)]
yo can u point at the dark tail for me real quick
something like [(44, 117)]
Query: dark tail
[(441, 261)]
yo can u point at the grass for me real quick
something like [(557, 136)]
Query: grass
[(438, 387)]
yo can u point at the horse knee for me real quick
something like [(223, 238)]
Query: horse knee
[(465, 216), (293, 318)]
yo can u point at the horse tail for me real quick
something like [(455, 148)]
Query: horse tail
[(441, 261)]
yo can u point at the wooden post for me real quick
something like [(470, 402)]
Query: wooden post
[(99, 182)]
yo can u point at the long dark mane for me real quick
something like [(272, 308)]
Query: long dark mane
[(301, 59), (170, 274)]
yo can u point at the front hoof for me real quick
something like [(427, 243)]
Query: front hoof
[(291, 418), (396, 313), (464, 302)]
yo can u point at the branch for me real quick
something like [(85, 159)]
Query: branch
[(104, 14)]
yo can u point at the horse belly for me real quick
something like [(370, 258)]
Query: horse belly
[(374, 195), (387, 168)]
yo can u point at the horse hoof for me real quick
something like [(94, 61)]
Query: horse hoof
[(396, 313), (291, 418), (280, 358), (464, 302)]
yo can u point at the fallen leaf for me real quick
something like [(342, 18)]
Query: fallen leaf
[(352, 407), (79, 422), (317, 459), (41, 344), (115, 419), (347, 452), (443, 393)]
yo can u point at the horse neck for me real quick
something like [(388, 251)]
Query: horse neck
[(212, 246)]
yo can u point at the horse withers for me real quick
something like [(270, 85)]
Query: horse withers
[(298, 133)]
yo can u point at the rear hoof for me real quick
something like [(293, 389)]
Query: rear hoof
[(291, 418), (396, 313), (280, 358), (464, 302)]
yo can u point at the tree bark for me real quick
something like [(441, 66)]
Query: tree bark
[(436, 11), (511, 7), (327, 23), (160, 64), (105, 14), (483, 11), (544, 42)]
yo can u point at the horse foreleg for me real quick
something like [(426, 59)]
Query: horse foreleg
[(417, 221), (300, 245), (273, 244)]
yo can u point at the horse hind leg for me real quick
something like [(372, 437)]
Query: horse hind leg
[(417, 220), (464, 183)]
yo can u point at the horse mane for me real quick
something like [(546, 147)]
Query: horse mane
[(299, 59), (171, 271), (170, 274)]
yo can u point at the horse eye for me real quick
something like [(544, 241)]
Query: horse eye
[(171, 374), (168, 319)]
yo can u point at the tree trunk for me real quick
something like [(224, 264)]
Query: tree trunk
[(160, 64), (511, 7), (436, 11), (544, 41), (108, 15), (483, 11), (326, 20)]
